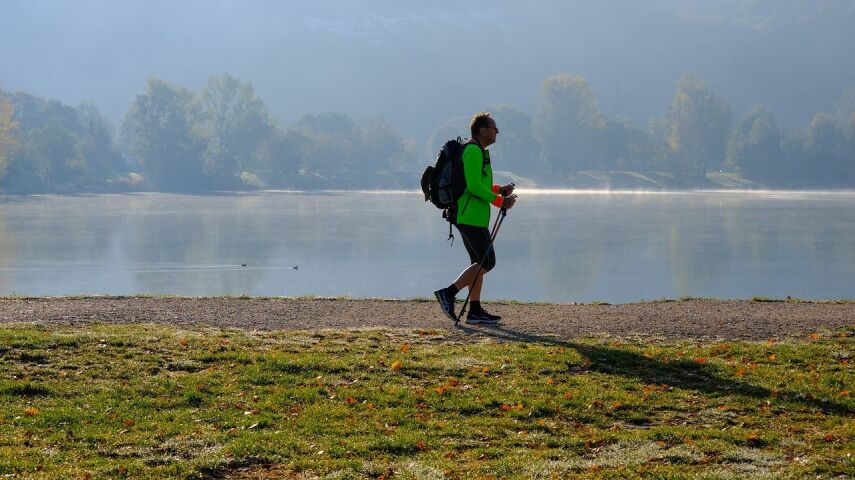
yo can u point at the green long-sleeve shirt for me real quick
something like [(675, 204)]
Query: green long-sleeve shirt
[(473, 207)]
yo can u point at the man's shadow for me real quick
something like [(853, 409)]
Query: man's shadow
[(684, 374)]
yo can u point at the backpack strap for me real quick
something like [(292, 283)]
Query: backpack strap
[(485, 155)]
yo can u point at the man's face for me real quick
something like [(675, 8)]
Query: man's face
[(489, 132)]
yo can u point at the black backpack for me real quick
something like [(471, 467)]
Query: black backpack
[(444, 182)]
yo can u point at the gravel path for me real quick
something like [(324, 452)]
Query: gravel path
[(690, 319)]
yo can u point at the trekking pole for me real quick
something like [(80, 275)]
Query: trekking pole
[(499, 219)]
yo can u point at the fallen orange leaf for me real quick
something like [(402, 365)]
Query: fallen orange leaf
[(773, 357), (184, 342), (31, 411), (420, 445), (740, 372), (350, 400), (844, 393), (828, 437), (129, 423), (441, 389), (396, 365), (454, 382), (700, 360), (568, 395), (405, 348), (814, 336), (550, 381)]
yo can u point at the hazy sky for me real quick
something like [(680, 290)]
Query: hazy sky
[(419, 64)]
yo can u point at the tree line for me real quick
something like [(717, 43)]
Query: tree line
[(223, 138), (697, 137), (174, 139)]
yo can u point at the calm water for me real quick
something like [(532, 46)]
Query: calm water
[(557, 247)]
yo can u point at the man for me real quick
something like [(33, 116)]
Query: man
[(471, 216)]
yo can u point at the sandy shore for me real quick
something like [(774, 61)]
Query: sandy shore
[(689, 319)]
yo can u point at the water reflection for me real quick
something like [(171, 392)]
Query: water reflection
[(577, 246)]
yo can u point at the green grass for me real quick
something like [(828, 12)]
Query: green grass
[(144, 401)]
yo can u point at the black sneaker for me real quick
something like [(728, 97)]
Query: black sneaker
[(481, 317), (446, 301)]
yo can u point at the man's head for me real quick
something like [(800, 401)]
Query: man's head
[(483, 129)]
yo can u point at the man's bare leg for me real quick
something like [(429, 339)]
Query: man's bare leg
[(465, 280)]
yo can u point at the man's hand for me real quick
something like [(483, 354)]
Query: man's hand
[(507, 189), (509, 201)]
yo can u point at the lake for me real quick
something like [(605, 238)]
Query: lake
[(555, 246)]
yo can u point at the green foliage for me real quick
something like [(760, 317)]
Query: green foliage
[(627, 147), (699, 124), (568, 123), (341, 152), (7, 132), (59, 148), (163, 137), (826, 152), (236, 126), (754, 148), (516, 148), (174, 139)]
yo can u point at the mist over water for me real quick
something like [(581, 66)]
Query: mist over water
[(555, 247)]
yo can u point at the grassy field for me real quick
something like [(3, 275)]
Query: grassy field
[(145, 401)]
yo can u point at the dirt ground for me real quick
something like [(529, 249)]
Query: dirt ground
[(687, 319)]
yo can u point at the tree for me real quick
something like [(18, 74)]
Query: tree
[(280, 157), (7, 131), (235, 124), (516, 148), (96, 143), (754, 148), (329, 154), (59, 153), (451, 129), (59, 147), (824, 145), (340, 152), (378, 149), (699, 123), (568, 124), (160, 133), (627, 147)]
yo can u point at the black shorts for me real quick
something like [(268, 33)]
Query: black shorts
[(477, 242)]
